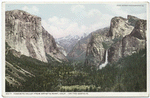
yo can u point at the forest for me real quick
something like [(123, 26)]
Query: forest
[(126, 75)]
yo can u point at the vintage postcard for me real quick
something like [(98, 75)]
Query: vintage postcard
[(75, 49)]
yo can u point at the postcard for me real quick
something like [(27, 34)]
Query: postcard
[(75, 49)]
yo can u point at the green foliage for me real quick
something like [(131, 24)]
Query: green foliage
[(126, 75)]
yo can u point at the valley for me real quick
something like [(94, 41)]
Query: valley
[(75, 77), (110, 59)]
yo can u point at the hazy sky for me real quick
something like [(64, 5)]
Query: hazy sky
[(76, 19)]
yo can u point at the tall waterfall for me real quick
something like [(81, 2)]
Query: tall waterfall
[(106, 61)]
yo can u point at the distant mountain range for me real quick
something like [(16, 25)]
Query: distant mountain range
[(68, 42)]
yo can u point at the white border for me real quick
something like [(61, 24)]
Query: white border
[(72, 94), (3, 49)]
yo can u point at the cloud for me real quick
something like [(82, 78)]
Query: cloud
[(117, 11), (79, 11), (33, 10), (60, 22), (94, 12), (58, 27), (77, 8), (86, 21), (61, 27)]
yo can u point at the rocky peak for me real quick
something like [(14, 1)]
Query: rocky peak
[(22, 16), (117, 21), (132, 20), (117, 25), (130, 17), (140, 29)]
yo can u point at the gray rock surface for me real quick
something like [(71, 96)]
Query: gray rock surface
[(25, 34), (125, 37), (50, 46), (95, 52), (119, 27), (131, 43)]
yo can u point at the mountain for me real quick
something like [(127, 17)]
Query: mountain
[(68, 42), (27, 44), (130, 44), (78, 52), (123, 38), (25, 34)]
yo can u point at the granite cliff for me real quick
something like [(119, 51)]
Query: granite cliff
[(25, 34), (131, 43), (123, 38), (95, 49)]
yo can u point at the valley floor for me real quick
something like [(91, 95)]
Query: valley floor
[(126, 75)]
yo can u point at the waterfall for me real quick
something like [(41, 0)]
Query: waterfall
[(106, 61)]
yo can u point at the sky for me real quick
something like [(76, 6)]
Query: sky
[(65, 19)]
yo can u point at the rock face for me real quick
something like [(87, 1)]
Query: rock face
[(95, 52), (50, 46), (132, 20), (61, 49), (125, 37), (79, 50), (25, 34), (140, 30), (130, 44), (119, 27)]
